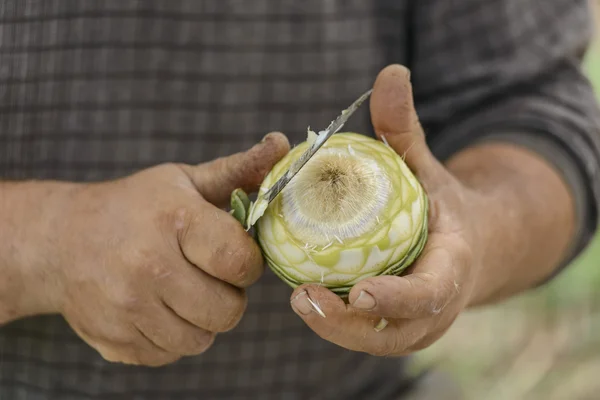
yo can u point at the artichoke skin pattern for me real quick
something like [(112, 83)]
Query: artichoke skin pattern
[(354, 211)]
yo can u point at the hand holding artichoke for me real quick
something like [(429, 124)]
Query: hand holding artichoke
[(371, 232)]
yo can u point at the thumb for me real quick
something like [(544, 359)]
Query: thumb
[(396, 122), (216, 179)]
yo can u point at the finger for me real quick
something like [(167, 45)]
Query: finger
[(351, 328), (434, 283), (171, 333), (217, 243), (146, 355), (203, 300), (216, 180), (133, 349), (395, 120)]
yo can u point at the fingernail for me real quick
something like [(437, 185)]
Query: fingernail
[(381, 325), (302, 304), (364, 301), (266, 137)]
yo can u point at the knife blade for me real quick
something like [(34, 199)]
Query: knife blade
[(322, 137)]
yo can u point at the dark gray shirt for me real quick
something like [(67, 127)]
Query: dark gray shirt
[(92, 90)]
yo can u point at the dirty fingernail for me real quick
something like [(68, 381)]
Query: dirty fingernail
[(365, 301), (303, 304), (300, 303)]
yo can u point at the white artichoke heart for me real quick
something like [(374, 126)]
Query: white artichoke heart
[(354, 211)]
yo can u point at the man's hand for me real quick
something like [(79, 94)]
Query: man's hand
[(490, 209), (148, 268)]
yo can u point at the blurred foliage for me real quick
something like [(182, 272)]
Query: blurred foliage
[(543, 344)]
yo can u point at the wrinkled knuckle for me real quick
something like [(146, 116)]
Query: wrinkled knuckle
[(150, 267), (159, 271), (127, 301), (180, 219)]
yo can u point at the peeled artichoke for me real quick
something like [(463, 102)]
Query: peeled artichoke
[(354, 211)]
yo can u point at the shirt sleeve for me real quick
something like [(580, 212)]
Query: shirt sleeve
[(511, 70)]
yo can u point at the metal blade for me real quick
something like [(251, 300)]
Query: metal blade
[(322, 137)]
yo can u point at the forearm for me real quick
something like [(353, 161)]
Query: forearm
[(529, 217), (28, 211)]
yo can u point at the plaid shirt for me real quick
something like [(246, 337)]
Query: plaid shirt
[(92, 90)]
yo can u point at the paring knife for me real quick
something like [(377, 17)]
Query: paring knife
[(263, 199), (322, 137)]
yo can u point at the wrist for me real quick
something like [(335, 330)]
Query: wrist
[(523, 218), (497, 246), (29, 241)]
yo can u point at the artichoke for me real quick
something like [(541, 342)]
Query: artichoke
[(354, 211)]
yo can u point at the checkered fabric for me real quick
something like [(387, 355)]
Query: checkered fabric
[(92, 90)]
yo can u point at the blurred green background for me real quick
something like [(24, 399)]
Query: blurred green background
[(544, 344)]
